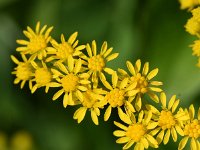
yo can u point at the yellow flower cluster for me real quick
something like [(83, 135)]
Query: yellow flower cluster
[(80, 73), (193, 27)]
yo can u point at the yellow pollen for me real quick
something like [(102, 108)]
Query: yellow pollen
[(166, 120), (42, 76), (89, 99), (193, 129), (136, 132), (24, 71), (37, 43), (142, 82), (64, 50), (69, 82), (96, 63), (115, 97)]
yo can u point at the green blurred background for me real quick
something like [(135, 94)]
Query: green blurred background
[(152, 30)]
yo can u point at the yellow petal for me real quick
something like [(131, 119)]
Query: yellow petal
[(89, 51), (65, 100), (123, 140), (155, 89), (193, 145), (199, 113), (138, 103), (78, 66), (156, 83), (114, 79), (140, 116), (121, 126), (174, 134), (108, 70), (152, 125), (128, 145), (145, 142), (107, 113), (179, 130), (145, 69), (124, 83), (151, 139), (191, 111), (166, 137), (148, 117), (152, 108), (57, 94), (70, 63), (154, 97), (175, 105), (72, 38), (112, 56), (94, 117), (119, 133), (137, 66), (123, 116), (182, 143), (152, 74), (131, 86), (160, 136), (94, 48), (171, 101), (130, 67), (107, 52), (104, 47), (80, 114)]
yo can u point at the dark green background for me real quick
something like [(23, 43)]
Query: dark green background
[(152, 30)]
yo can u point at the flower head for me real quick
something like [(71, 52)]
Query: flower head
[(37, 43), (142, 80), (137, 132), (23, 71), (72, 81), (120, 94), (92, 100), (42, 77), (61, 51), (96, 62), (191, 130), (168, 121)]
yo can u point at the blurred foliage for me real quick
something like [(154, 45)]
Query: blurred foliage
[(150, 30)]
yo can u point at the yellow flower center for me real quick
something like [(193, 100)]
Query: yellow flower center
[(193, 129), (37, 43), (42, 76), (24, 71), (70, 82), (64, 50), (142, 82), (136, 132), (89, 99), (166, 120), (115, 97), (96, 63)]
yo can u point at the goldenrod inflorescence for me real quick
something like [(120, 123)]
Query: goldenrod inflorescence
[(79, 72)]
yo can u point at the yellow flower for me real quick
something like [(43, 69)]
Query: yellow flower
[(91, 99), (96, 63), (42, 77), (3, 141), (167, 119), (196, 48), (144, 85), (61, 51), (37, 43), (189, 4), (192, 26), (191, 131), (71, 80), (23, 71), (137, 131), (22, 141), (121, 94)]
